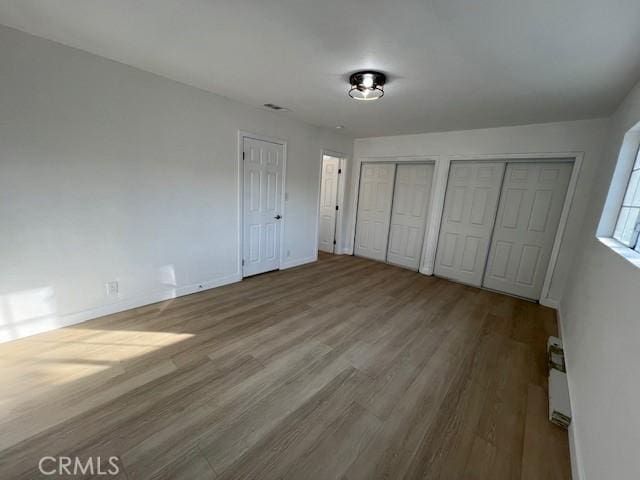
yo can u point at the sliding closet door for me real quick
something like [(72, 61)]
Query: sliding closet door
[(469, 212), (409, 215), (374, 210), (530, 207)]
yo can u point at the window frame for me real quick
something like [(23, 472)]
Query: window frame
[(633, 243)]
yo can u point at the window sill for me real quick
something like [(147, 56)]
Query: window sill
[(625, 252)]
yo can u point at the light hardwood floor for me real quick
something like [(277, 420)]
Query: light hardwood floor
[(345, 368)]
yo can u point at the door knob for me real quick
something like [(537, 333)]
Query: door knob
[(278, 217)]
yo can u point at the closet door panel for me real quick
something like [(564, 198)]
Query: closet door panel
[(374, 210), (412, 193), (471, 202), (532, 199)]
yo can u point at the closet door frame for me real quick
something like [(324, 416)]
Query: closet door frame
[(396, 161), (576, 159)]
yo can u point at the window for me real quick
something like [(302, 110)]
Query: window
[(628, 224)]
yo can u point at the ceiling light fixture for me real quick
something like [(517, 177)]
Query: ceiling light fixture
[(367, 85)]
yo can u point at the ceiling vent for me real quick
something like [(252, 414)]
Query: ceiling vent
[(276, 108)]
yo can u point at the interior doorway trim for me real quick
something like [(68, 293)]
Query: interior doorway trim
[(343, 165), (240, 213), (575, 157)]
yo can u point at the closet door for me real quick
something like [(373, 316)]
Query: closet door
[(374, 210), (469, 212), (530, 207), (409, 214)]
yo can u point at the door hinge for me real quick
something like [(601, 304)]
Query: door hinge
[(339, 171), (334, 242), (336, 207), (243, 262), (242, 155)]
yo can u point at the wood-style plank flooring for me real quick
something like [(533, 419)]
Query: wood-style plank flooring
[(345, 368)]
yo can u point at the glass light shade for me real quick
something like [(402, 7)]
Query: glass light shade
[(362, 93), (367, 85)]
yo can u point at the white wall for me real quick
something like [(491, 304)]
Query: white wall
[(601, 332), (108, 172), (579, 137)]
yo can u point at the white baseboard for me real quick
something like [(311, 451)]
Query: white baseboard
[(549, 302), (74, 318), (217, 282), (576, 465), (576, 469), (298, 261)]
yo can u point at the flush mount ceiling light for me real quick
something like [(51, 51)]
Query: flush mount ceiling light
[(367, 85)]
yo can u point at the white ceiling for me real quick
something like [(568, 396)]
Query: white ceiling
[(453, 64)]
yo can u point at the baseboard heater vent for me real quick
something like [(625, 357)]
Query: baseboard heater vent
[(559, 406)]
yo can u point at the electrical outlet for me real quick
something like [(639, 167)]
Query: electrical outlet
[(112, 288)]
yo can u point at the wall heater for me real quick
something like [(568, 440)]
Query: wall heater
[(559, 406)]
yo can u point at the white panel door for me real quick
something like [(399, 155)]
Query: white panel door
[(262, 205), (409, 214), (328, 203), (530, 207), (374, 210), (469, 212)]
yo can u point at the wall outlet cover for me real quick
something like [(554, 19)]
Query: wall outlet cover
[(112, 288)]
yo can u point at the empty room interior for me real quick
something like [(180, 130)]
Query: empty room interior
[(295, 239)]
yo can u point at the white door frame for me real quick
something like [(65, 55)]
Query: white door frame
[(342, 166), (278, 141), (438, 190)]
